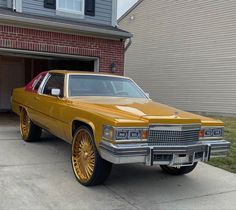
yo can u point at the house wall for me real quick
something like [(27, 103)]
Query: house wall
[(183, 53), (107, 50), (103, 11), (3, 3)]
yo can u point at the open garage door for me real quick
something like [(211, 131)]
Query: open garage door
[(17, 69), (12, 75)]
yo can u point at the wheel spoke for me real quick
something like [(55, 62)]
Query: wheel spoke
[(24, 124)]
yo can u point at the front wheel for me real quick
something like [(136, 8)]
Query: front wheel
[(178, 170), (89, 168)]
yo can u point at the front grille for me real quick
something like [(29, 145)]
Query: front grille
[(173, 135)]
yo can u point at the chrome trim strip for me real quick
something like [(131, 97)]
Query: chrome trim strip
[(175, 127), (210, 138), (43, 83), (212, 126)]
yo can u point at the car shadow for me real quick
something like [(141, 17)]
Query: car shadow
[(125, 174)]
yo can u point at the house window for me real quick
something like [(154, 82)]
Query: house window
[(71, 6)]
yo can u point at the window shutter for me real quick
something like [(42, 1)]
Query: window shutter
[(50, 4), (90, 7)]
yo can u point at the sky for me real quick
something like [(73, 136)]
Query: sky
[(124, 5)]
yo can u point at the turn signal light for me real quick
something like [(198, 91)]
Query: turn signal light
[(144, 134), (201, 133)]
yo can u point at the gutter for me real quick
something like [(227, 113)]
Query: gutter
[(128, 44), (62, 27)]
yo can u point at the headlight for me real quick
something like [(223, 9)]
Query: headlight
[(119, 134), (211, 132)]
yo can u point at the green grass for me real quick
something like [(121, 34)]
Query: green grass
[(228, 163)]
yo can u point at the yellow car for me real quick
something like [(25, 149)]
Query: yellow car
[(110, 120)]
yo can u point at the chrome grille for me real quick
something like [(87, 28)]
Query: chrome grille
[(173, 134)]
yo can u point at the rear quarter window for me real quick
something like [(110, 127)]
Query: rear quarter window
[(38, 83), (35, 83)]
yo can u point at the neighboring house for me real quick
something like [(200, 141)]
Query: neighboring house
[(184, 52), (38, 35)]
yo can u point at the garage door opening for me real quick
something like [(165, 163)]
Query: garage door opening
[(17, 70)]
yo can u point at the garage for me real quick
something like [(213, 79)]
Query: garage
[(31, 44), (17, 69)]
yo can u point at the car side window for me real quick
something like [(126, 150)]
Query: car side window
[(55, 81)]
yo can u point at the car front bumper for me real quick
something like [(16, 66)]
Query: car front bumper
[(173, 155)]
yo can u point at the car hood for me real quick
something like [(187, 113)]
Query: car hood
[(143, 109)]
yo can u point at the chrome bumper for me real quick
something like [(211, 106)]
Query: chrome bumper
[(179, 155)]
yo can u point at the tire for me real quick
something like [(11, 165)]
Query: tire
[(178, 171), (29, 131), (88, 166)]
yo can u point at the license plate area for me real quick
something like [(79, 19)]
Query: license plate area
[(182, 159), (173, 159)]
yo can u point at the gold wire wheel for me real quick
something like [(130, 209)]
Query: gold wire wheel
[(83, 156), (24, 124)]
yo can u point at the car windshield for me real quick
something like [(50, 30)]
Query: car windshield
[(92, 85)]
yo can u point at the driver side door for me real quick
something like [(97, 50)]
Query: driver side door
[(50, 108)]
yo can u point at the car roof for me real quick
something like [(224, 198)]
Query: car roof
[(84, 73)]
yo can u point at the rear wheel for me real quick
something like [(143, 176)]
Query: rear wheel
[(29, 131), (89, 168), (178, 170)]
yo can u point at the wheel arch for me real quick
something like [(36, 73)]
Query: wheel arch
[(21, 107), (76, 123)]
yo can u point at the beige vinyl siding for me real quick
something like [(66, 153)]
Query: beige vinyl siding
[(3, 3), (184, 53)]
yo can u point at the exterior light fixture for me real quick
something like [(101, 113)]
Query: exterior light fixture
[(113, 67)]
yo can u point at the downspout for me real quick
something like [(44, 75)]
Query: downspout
[(128, 44)]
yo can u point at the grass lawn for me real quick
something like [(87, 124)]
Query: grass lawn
[(228, 163)]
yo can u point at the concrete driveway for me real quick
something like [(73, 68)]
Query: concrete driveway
[(39, 176)]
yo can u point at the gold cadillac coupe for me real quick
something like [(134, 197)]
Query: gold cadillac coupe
[(110, 120)]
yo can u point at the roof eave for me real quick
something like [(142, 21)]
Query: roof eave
[(59, 27)]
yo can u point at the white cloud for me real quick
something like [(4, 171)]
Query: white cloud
[(124, 5)]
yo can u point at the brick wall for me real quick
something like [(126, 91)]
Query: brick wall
[(107, 50)]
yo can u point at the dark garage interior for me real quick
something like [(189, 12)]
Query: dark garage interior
[(18, 70)]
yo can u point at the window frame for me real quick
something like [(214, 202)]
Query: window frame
[(74, 74), (44, 82), (82, 12), (36, 82)]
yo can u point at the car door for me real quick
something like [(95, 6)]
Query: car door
[(50, 108), (32, 96)]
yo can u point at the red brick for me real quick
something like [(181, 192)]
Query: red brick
[(107, 50)]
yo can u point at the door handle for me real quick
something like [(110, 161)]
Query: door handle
[(36, 98)]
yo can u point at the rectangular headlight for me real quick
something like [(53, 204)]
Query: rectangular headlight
[(211, 132), (118, 134), (131, 134)]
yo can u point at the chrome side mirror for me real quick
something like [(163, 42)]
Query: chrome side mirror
[(55, 92)]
